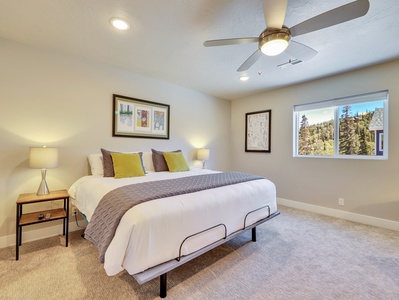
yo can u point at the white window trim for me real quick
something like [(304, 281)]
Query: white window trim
[(336, 102)]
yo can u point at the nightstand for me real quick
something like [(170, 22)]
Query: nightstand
[(33, 217)]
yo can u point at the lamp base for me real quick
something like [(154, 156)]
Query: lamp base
[(43, 189)]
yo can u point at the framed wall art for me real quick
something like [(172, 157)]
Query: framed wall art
[(257, 131), (140, 118)]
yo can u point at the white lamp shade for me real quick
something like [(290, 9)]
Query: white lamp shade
[(43, 158), (203, 154)]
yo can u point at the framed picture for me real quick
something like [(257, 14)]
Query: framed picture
[(257, 131), (139, 118)]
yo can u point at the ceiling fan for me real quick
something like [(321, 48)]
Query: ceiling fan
[(276, 37)]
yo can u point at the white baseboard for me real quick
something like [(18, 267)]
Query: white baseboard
[(33, 235), (340, 214)]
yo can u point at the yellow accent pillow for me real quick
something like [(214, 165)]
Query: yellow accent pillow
[(127, 165), (176, 161)]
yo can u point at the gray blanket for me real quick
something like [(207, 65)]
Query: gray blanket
[(101, 229)]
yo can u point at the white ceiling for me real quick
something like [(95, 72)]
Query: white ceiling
[(166, 38)]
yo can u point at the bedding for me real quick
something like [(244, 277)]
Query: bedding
[(127, 165), (159, 161), (176, 162), (96, 164), (152, 232), (114, 204), (108, 165)]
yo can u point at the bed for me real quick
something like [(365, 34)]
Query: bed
[(155, 236)]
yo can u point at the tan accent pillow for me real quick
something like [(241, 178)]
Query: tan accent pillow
[(127, 165), (176, 162), (159, 161), (108, 165)]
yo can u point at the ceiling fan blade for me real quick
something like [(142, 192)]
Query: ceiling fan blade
[(300, 51), (274, 12), (250, 61), (335, 16), (225, 42)]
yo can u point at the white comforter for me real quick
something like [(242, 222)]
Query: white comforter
[(151, 233)]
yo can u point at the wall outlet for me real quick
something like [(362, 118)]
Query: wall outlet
[(75, 211), (341, 201)]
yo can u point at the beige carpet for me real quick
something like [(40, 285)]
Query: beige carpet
[(299, 255)]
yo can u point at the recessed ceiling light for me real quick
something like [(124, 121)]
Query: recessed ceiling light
[(244, 78), (119, 23)]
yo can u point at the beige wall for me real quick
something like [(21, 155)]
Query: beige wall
[(369, 187), (65, 102)]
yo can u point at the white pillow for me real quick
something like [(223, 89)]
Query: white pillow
[(147, 160), (96, 164)]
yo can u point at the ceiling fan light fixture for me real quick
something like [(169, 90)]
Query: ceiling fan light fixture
[(272, 42), (274, 47)]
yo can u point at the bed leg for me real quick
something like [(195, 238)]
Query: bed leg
[(162, 292), (254, 234)]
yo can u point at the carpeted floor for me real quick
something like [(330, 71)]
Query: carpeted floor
[(298, 255)]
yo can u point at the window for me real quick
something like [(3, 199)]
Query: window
[(350, 127)]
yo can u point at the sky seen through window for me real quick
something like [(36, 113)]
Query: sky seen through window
[(316, 116)]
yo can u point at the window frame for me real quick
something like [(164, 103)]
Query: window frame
[(336, 103)]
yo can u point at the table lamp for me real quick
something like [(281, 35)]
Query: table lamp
[(203, 154), (43, 158)]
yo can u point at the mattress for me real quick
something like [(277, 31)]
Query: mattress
[(152, 233)]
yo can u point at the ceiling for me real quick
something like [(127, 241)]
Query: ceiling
[(166, 38)]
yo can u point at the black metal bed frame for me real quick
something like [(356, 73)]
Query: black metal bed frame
[(162, 269)]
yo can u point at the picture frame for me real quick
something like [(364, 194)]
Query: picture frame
[(258, 131), (139, 118)]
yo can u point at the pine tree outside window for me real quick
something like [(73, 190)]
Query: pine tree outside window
[(351, 127)]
